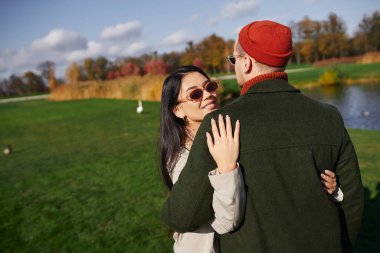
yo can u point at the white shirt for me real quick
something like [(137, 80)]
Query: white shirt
[(228, 204)]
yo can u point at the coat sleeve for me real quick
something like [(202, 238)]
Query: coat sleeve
[(351, 184), (228, 200), (189, 204)]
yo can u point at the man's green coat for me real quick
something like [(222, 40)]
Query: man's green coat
[(286, 141)]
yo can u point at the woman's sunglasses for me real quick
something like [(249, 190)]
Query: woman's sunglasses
[(232, 58), (196, 94)]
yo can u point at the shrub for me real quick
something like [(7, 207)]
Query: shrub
[(331, 76), (147, 87)]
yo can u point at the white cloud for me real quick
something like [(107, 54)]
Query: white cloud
[(236, 10), (62, 47), (96, 49), (59, 40), (124, 31), (93, 49), (137, 48), (55, 46), (178, 38)]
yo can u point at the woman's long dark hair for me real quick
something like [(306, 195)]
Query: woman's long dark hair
[(172, 129)]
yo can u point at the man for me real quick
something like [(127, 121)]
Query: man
[(286, 140)]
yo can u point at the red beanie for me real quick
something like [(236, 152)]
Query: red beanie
[(267, 42)]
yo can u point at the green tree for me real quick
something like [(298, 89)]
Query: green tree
[(101, 68), (33, 82), (44, 67), (16, 85)]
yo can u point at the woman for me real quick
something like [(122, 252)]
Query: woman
[(188, 95)]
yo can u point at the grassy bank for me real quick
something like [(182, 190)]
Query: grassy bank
[(83, 178), (352, 73)]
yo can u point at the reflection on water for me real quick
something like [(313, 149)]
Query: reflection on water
[(358, 104)]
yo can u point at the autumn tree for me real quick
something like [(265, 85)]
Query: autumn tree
[(189, 54), (88, 67), (212, 51), (229, 49), (333, 41), (306, 34), (173, 59), (156, 66), (369, 32), (129, 69), (73, 73), (198, 62), (52, 80), (297, 41)]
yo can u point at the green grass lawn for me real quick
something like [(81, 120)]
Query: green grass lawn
[(83, 178)]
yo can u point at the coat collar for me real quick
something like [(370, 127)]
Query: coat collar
[(268, 86)]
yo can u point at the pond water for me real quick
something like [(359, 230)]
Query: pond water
[(358, 104)]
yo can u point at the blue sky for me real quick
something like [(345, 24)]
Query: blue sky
[(33, 31)]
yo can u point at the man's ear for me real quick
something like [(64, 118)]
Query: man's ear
[(247, 64), (178, 112)]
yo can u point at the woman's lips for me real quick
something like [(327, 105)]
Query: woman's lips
[(210, 106)]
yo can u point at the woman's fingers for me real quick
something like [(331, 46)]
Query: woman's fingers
[(210, 143), (329, 181), (229, 128), (328, 185), (214, 130), (222, 128), (237, 132), (330, 174)]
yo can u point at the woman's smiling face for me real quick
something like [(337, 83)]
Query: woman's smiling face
[(195, 111)]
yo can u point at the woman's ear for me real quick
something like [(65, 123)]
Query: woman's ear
[(178, 112)]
